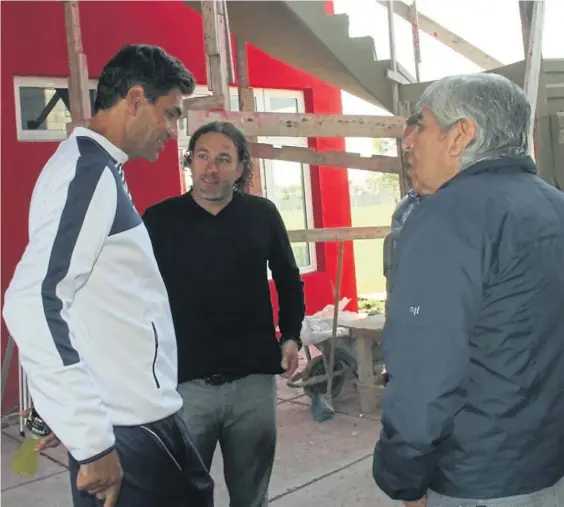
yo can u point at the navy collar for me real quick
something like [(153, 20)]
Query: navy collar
[(118, 155), (507, 165)]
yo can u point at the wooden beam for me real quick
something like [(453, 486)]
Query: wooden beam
[(393, 59), (247, 103), (414, 19), (533, 59), (395, 89), (448, 38), (203, 103), (337, 234), (246, 98), (216, 55), (375, 163), (526, 15), (79, 90), (302, 125), (404, 180), (227, 49)]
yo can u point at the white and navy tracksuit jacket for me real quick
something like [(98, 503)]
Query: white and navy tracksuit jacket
[(87, 305)]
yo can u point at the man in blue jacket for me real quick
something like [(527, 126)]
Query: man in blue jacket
[(474, 337)]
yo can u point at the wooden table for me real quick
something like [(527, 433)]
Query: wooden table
[(365, 332)]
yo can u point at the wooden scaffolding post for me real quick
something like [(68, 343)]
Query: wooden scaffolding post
[(414, 17), (405, 111), (79, 91), (532, 24), (215, 43), (247, 103), (395, 90), (80, 109)]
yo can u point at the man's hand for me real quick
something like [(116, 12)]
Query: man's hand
[(47, 442), (102, 478), (289, 358), (419, 503)]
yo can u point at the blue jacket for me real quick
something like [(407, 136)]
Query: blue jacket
[(474, 340)]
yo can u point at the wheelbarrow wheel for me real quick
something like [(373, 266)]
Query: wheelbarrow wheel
[(316, 367)]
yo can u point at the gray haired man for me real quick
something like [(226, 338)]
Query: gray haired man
[(473, 342)]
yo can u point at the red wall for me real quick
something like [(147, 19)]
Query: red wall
[(39, 49)]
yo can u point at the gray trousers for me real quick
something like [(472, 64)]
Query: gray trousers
[(241, 416), (548, 497)]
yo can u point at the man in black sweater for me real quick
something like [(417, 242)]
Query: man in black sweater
[(213, 245)]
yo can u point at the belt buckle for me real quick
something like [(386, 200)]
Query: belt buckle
[(216, 380)]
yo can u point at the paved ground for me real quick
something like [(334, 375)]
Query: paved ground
[(326, 464)]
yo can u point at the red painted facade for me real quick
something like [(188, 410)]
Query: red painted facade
[(34, 47)]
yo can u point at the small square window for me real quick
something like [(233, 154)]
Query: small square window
[(42, 108)]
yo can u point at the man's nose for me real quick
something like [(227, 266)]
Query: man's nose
[(211, 165), (407, 141)]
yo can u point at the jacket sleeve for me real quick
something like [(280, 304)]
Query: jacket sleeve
[(436, 297), (70, 219), (287, 278)]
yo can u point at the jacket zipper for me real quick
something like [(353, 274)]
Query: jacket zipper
[(155, 334)]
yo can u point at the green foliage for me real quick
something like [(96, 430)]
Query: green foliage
[(371, 306), (385, 146)]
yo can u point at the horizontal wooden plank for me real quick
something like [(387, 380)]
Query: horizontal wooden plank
[(301, 125), (448, 38), (376, 163), (203, 103), (337, 234)]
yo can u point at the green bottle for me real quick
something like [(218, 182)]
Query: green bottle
[(26, 460)]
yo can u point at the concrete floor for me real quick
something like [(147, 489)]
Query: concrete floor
[(327, 464)]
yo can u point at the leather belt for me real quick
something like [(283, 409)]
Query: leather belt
[(220, 379)]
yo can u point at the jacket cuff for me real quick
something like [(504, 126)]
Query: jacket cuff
[(391, 485), (97, 456)]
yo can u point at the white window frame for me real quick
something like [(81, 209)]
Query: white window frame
[(267, 179), (262, 96), (27, 135)]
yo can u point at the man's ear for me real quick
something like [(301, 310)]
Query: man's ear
[(135, 98), (462, 135)]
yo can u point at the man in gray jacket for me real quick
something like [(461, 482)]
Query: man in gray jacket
[(474, 338)]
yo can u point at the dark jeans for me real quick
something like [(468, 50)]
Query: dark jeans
[(161, 468), (241, 417)]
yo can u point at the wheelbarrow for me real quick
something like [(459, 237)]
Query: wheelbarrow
[(313, 378)]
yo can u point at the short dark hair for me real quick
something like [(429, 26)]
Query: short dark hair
[(140, 64), (241, 145)]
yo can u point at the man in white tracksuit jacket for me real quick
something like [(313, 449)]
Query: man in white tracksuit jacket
[(89, 310)]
